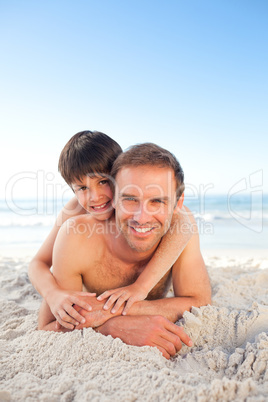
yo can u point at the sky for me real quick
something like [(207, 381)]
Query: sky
[(190, 76)]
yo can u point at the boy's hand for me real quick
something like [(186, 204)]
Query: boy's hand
[(129, 294), (61, 305)]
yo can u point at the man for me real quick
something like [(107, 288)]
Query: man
[(112, 254)]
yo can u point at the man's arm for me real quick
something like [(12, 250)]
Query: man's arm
[(67, 268), (39, 268), (59, 301)]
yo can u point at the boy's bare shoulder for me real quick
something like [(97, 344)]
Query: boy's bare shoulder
[(70, 210)]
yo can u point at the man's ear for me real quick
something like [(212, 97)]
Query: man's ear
[(114, 200), (179, 203)]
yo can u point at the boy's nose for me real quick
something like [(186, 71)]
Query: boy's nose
[(94, 195)]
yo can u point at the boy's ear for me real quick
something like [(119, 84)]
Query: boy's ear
[(179, 203)]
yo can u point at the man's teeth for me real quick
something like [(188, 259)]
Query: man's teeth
[(100, 206), (142, 230)]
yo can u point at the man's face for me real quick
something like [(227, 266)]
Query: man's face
[(145, 200), (94, 195)]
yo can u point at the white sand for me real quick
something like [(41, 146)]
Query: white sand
[(229, 361)]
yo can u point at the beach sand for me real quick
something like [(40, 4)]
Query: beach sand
[(228, 362)]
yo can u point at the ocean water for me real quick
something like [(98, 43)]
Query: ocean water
[(236, 222)]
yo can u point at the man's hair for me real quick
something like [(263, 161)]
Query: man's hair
[(149, 154), (88, 153)]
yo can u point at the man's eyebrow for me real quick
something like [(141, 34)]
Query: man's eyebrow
[(165, 198), (128, 195)]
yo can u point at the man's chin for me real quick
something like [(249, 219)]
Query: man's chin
[(141, 245)]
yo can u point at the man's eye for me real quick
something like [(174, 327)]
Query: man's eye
[(130, 199), (156, 201)]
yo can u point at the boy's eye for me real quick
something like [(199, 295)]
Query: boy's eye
[(103, 182), (83, 188)]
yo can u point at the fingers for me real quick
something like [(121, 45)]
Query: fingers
[(80, 303), (106, 294), (173, 340), (164, 352), (119, 297), (179, 332), (121, 300), (69, 317), (64, 324), (167, 345), (183, 336), (74, 315), (129, 303)]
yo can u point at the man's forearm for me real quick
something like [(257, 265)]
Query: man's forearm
[(171, 308)]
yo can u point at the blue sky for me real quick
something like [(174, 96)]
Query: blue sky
[(190, 76)]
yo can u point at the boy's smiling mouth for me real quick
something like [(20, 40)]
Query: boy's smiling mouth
[(100, 207)]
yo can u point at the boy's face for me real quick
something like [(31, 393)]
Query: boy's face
[(95, 196)]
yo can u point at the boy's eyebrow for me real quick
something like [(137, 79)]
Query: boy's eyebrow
[(76, 184)]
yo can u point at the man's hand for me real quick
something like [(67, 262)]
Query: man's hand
[(129, 294), (147, 330), (61, 305), (96, 316)]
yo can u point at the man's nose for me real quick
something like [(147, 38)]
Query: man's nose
[(142, 215)]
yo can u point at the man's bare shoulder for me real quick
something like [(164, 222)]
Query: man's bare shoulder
[(79, 242), (82, 228)]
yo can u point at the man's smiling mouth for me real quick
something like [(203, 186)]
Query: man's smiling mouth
[(142, 230)]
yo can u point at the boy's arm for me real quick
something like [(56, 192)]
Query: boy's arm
[(60, 301), (190, 282), (168, 251)]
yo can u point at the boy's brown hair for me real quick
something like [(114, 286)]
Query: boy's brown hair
[(88, 153), (149, 154)]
